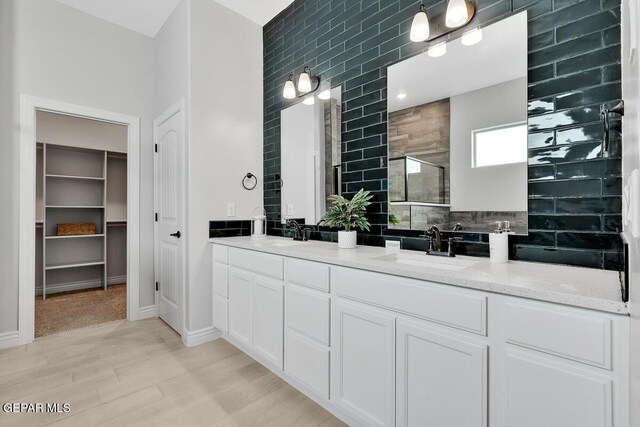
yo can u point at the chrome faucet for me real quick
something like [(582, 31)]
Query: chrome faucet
[(299, 233)]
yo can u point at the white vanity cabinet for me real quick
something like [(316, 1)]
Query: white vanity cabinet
[(256, 304), (363, 362), (441, 377), (307, 324), (384, 350)]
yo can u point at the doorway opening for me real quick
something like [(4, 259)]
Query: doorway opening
[(81, 222), (79, 217)]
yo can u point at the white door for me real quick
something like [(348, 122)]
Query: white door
[(241, 306), (363, 362), (169, 192), (268, 323), (545, 392), (441, 380)]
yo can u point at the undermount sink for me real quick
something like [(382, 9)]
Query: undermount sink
[(426, 261), (284, 243)]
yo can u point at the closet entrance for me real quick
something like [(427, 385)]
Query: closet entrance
[(81, 222)]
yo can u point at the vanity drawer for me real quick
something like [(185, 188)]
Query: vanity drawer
[(571, 333), (257, 262), (220, 254), (308, 312), (460, 308), (306, 273)]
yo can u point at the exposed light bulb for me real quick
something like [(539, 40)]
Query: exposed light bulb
[(420, 26), (401, 95), (437, 50), (289, 89), (457, 13), (304, 82), (472, 37), (309, 100), (324, 95)]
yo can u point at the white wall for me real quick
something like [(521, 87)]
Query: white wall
[(78, 132), (225, 135), (171, 60), (631, 161), (491, 188), (66, 55), (301, 136), (8, 171)]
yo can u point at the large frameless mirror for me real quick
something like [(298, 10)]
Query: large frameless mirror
[(310, 155), (458, 133)]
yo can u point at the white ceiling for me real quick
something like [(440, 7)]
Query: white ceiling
[(148, 16), (259, 11), (500, 57), (142, 16)]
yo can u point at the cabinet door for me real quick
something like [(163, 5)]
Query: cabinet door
[(441, 381), (220, 280), (241, 306), (545, 392), (268, 310), (363, 362)]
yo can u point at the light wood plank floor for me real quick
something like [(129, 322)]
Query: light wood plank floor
[(139, 373)]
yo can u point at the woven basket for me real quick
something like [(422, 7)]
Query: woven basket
[(75, 229)]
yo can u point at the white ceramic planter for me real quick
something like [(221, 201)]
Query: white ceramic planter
[(347, 239)]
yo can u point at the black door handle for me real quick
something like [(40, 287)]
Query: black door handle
[(176, 234)]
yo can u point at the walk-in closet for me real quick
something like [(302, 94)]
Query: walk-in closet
[(81, 222)]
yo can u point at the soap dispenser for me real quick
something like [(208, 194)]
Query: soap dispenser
[(499, 243)]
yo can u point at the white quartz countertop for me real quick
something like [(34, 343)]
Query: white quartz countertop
[(574, 286)]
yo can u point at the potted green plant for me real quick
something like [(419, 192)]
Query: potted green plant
[(348, 214)]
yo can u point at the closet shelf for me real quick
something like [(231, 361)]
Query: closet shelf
[(74, 264), (85, 178), (77, 236)]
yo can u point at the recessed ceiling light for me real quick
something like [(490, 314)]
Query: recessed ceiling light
[(437, 50), (401, 95)]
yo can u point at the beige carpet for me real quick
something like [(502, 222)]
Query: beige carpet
[(65, 311)]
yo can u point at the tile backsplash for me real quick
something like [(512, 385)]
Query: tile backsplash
[(574, 68)]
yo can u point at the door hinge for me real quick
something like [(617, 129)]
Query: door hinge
[(156, 147), (157, 286), (156, 216)]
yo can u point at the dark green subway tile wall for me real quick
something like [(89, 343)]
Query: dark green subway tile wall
[(574, 68)]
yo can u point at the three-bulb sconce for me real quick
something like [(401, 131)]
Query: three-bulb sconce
[(458, 14)]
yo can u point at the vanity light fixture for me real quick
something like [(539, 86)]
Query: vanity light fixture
[(457, 13), (437, 50), (472, 37), (289, 88), (420, 26), (310, 100), (306, 84), (425, 28)]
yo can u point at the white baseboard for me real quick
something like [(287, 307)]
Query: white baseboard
[(9, 339), (76, 286), (201, 336), (147, 312)]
